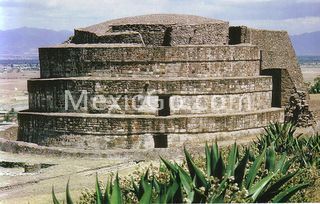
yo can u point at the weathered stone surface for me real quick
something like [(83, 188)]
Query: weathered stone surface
[(217, 95), (135, 61), (131, 131), (159, 30), (277, 52), (297, 111), (205, 75)]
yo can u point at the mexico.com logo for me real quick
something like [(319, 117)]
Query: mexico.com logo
[(153, 102)]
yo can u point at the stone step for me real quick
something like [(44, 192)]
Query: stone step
[(110, 130), (73, 60), (149, 104), (141, 96), (156, 86)]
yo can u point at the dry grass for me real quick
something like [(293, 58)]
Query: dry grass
[(309, 74), (315, 105), (13, 89)]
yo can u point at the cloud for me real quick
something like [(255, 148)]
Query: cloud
[(69, 14)]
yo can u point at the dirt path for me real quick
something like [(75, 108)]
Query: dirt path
[(19, 187)]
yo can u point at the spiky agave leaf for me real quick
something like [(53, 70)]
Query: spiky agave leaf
[(256, 190), (285, 195), (241, 168), (275, 188), (220, 168), (185, 180), (173, 168), (208, 159), (254, 169), (270, 159), (178, 195), (286, 165), (195, 172), (279, 165), (54, 198), (108, 191), (162, 194), (172, 189), (147, 194), (116, 196), (99, 197), (232, 159), (68, 196), (215, 154)]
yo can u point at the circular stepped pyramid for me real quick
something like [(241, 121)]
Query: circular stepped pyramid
[(204, 87)]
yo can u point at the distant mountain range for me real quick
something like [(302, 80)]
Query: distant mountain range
[(24, 42), (307, 43)]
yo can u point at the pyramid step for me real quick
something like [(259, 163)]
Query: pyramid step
[(140, 96), (124, 37), (72, 60), (79, 128)]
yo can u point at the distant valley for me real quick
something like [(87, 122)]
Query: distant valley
[(23, 43)]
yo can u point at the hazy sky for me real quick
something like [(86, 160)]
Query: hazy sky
[(295, 16)]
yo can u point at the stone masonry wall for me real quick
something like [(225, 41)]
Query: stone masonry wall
[(49, 95), (277, 52), (114, 38), (172, 35), (77, 60), (64, 130)]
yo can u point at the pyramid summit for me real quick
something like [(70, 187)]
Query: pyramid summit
[(156, 30), (153, 19)]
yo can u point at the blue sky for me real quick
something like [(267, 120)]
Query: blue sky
[(295, 16)]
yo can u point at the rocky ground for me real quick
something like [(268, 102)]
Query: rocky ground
[(60, 165), (17, 186)]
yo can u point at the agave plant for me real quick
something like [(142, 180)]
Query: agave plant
[(68, 197), (281, 135), (305, 149), (192, 184), (112, 193), (263, 190)]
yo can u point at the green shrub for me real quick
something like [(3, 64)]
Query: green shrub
[(311, 193), (10, 116), (315, 88), (7, 117)]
